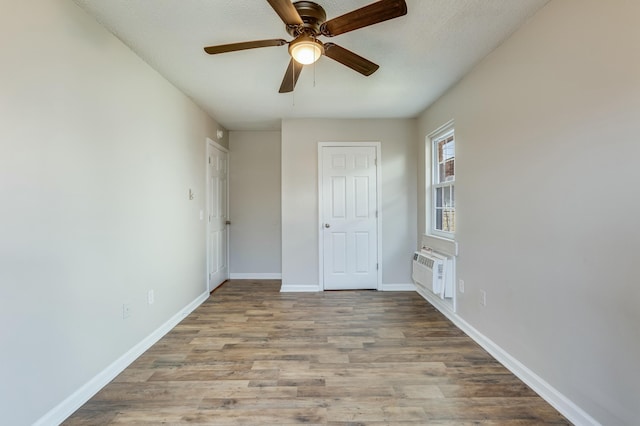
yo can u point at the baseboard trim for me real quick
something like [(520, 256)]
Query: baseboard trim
[(265, 276), (560, 402), (290, 288), (78, 398), (398, 287), (438, 303), (304, 288)]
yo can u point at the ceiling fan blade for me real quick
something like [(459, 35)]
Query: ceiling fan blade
[(350, 59), (287, 11), (291, 77), (374, 13), (223, 48)]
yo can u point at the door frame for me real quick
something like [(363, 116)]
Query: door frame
[(377, 146), (210, 143)]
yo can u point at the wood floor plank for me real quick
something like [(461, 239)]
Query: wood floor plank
[(251, 355)]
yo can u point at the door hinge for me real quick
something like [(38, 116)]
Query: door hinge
[(376, 214), (209, 160), (377, 266)]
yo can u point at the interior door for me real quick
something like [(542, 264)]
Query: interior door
[(349, 217), (218, 249)]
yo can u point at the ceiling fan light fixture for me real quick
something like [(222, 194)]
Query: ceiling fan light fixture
[(307, 20), (306, 50)]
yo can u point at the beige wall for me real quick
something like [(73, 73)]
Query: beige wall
[(300, 193), (97, 155), (546, 180), (254, 204)]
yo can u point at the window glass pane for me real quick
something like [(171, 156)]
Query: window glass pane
[(447, 196), (439, 219), (453, 197), (448, 220), (449, 170), (439, 197), (449, 149)]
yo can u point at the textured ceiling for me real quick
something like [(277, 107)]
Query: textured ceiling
[(420, 55)]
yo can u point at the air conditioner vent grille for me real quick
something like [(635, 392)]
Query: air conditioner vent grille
[(433, 272)]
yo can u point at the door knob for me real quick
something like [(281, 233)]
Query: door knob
[(326, 225)]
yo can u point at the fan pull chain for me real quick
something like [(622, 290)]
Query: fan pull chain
[(314, 69), (293, 83)]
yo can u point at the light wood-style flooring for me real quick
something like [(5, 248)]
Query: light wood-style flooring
[(251, 355)]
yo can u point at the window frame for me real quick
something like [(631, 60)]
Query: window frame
[(434, 138)]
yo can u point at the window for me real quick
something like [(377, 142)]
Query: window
[(443, 210)]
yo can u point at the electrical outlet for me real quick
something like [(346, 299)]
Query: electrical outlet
[(461, 286), (150, 297), (483, 298), (126, 310)]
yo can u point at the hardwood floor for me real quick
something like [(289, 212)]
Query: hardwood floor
[(252, 356)]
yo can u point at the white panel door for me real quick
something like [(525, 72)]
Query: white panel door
[(349, 218), (218, 213)]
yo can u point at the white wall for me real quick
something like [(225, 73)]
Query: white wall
[(300, 193), (547, 132), (254, 181), (97, 154)]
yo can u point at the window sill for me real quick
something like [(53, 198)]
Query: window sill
[(440, 244)]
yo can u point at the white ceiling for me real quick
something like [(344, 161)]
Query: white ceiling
[(420, 55)]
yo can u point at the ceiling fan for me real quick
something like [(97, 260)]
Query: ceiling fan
[(306, 21)]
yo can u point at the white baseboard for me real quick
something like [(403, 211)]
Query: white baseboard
[(74, 401), (315, 288), (399, 287), (438, 303), (305, 288), (265, 276), (564, 405), (560, 402)]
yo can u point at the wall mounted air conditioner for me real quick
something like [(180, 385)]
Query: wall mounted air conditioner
[(433, 272)]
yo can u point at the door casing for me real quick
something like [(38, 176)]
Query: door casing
[(377, 146), (210, 145)]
